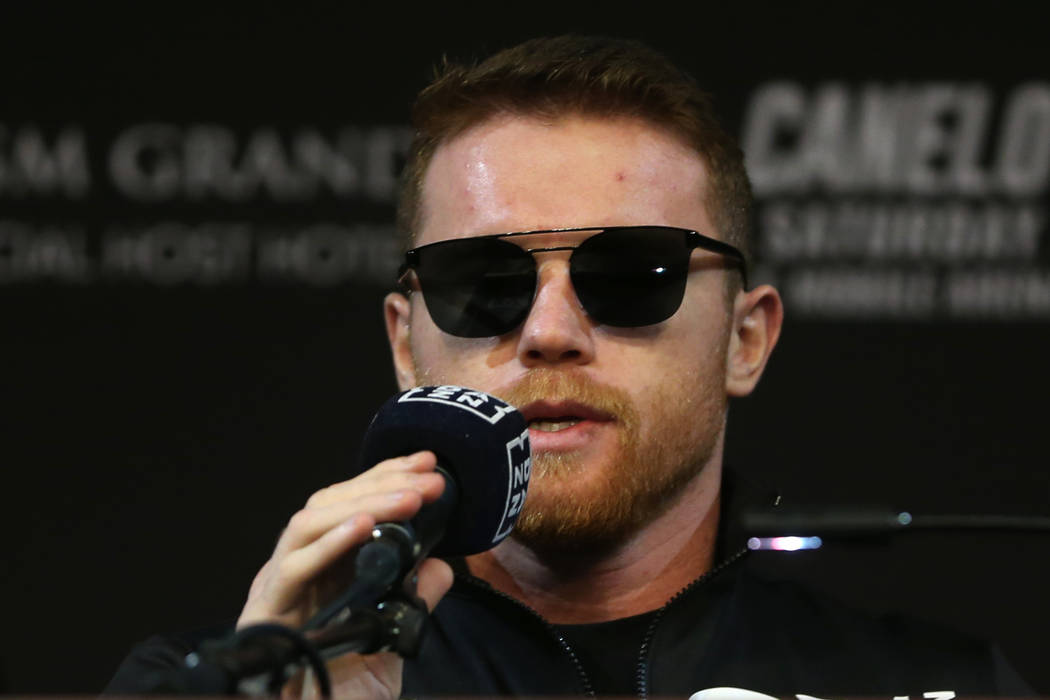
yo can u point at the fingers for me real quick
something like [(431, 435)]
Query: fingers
[(284, 578), (417, 463), (392, 491), (334, 521)]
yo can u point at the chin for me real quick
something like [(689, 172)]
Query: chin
[(569, 513)]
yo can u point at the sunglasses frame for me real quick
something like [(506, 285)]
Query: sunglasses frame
[(693, 239)]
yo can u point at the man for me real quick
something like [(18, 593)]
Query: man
[(624, 328)]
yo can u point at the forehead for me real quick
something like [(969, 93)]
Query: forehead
[(515, 173)]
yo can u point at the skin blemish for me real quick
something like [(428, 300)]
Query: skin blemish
[(620, 176)]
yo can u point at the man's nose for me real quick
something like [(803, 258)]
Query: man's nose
[(557, 330)]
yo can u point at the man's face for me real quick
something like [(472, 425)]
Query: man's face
[(620, 418)]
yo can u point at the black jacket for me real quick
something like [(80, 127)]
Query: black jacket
[(729, 628)]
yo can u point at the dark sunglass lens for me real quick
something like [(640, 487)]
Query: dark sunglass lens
[(631, 277), (476, 287)]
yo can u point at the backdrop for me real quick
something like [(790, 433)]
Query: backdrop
[(195, 237)]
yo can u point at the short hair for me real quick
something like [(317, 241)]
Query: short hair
[(592, 76)]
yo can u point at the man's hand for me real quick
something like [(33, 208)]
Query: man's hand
[(309, 566)]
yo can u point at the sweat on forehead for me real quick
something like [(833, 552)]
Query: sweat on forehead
[(513, 174)]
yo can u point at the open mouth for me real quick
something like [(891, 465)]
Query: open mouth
[(553, 425), (549, 416)]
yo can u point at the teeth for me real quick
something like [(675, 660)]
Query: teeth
[(553, 426)]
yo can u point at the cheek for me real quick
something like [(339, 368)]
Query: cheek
[(703, 323), (683, 397), (443, 359), (686, 364)]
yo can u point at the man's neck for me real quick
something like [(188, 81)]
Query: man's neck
[(639, 576)]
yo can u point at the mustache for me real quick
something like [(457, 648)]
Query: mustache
[(570, 385)]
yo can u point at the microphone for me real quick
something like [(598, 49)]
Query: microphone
[(482, 448)]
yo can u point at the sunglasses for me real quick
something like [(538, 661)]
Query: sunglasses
[(625, 276)]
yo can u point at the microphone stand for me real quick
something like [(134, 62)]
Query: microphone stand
[(380, 611), (257, 660)]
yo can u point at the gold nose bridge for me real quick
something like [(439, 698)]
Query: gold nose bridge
[(552, 249), (544, 263), (548, 268), (562, 239)]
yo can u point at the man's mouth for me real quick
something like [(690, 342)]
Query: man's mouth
[(565, 425), (553, 425), (555, 416)]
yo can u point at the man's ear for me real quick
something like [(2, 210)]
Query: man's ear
[(757, 318), (396, 311)]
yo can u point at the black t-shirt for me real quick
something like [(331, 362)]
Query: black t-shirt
[(609, 652)]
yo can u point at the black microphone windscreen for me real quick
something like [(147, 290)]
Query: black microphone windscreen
[(480, 440)]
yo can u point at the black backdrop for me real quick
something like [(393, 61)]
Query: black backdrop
[(175, 383)]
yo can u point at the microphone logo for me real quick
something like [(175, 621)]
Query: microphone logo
[(486, 407), (519, 467)]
